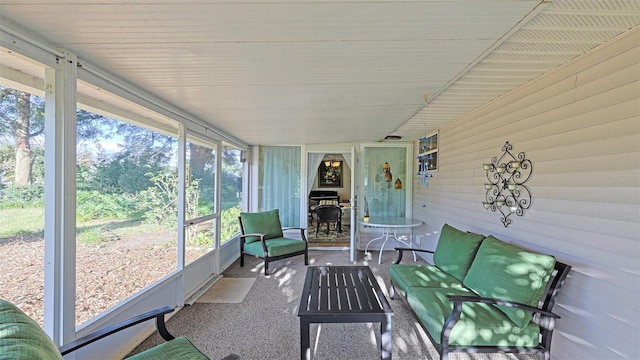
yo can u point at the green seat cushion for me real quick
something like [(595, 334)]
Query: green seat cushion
[(266, 222), (455, 251), (479, 324), (21, 337), (276, 247), (505, 271), (178, 348), (406, 276)]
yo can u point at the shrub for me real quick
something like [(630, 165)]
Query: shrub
[(22, 196), (93, 205)]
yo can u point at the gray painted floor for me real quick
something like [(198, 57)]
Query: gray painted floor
[(266, 326)]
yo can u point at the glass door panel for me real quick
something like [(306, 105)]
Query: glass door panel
[(386, 180)]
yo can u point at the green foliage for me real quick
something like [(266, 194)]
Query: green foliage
[(22, 196), (159, 203), (116, 174), (93, 205), (229, 225), (204, 238)]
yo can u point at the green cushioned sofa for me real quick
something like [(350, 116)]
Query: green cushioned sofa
[(262, 236), (481, 294), (22, 338)]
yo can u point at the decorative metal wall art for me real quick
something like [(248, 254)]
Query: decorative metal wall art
[(506, 191)]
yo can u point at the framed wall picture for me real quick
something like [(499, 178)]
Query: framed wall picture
[(330, 176)]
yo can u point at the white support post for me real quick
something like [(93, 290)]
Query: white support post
[(60, 199), (182, 189), (217, 209)]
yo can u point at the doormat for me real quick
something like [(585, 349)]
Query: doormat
[(228, 291)]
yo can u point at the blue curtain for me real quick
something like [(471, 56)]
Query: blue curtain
[(279, 182)]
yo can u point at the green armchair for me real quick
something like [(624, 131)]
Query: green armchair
[(262, 236), (22, 338)]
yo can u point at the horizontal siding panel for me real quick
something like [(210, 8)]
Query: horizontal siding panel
[(580, 127)]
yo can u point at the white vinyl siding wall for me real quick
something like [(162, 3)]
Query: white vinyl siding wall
[(580, 126)]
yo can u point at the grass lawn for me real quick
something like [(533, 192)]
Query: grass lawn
[(30, 222), (21, 222)]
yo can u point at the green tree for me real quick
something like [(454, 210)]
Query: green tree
[(21, 119), (22, 126)]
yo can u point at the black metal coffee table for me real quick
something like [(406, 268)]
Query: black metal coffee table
[(343, 294)]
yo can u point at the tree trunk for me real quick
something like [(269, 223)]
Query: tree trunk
[(199, 156), (24, 160)]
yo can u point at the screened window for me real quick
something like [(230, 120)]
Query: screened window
[(231, 193), (200, 198), (126, 211), (22, 200)]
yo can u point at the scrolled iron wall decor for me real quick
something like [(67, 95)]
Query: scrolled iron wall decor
[(506, 191)]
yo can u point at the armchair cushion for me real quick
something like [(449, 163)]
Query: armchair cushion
[(266, 222), (455, 251), (178, 348), (507, 272), (21, 337), (275, 247)]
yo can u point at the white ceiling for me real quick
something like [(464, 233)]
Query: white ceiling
[(299, 72)]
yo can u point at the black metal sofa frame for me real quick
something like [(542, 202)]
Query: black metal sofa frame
[(545, 318)]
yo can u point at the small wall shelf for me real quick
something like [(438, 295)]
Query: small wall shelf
[(427, 156)]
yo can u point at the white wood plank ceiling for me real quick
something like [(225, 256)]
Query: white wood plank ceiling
[(298, 72)]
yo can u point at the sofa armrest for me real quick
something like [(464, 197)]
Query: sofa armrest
[(459, 299), (401, 250), (158, 314)]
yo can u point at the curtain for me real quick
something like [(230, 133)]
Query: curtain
[(314, 163), (279, 182), (347, 159), (381, 198)]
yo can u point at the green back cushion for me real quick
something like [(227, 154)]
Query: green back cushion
[(455, 251), (267, 222), (21, 337), (504, 271)]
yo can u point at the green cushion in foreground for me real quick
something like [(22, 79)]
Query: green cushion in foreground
[(178, 348), (21, 337), (409, 275), (507, 272), (455, 251), (480, 324)]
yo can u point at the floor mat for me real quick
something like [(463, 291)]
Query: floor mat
[(228, 290)]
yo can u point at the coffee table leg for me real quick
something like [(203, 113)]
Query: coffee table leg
[(386, 338), (305, 349)]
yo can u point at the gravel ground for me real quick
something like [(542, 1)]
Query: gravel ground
[(113, 271)]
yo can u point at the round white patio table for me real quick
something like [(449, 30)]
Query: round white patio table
[(390, 226)]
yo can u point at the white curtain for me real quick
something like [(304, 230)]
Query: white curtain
[(279, 179), (314, 163), (347, 159)]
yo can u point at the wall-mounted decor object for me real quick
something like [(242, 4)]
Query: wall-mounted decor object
[(427, 157), (386, 169), (398, 184), (330, 175), (506, 191)]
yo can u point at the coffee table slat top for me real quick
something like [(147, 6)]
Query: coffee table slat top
[(335, 290)]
